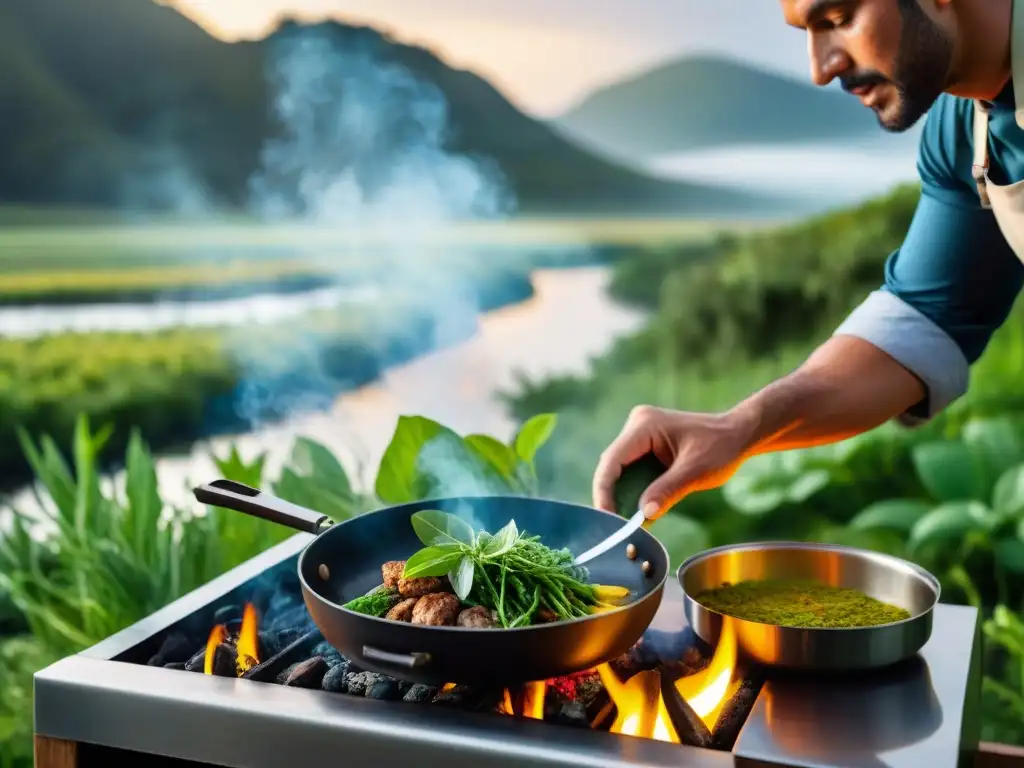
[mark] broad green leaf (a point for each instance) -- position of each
(808, 484)
(499, 456)
(682, 536)
(950, 521)
(877, 539)
(397, 474)
(1010, 554)
(533, 434)
(502, 541)
(1008, 495)
(891, 514)
(462, 577)
(997, 441)
(433, 561)
(758, 487)
(950, 471)
(447, 466)
(320, 466)
(433, 527)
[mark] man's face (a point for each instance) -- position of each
(889, 53)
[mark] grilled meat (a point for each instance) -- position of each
(438, 609)
(392, 572)
(403, 610)
(477, 617)
(419, 587)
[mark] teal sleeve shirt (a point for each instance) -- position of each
(954, 280)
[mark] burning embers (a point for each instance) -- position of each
(233, 656)
(680, 696)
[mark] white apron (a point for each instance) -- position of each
(1006, 201)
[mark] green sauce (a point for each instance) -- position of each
(793, 603)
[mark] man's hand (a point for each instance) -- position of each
(846, 387)
(701, 451)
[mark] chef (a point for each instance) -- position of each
(905, 352)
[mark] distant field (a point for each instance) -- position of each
(71, 255)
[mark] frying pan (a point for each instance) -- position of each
(344, 561)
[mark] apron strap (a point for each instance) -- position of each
(980, 167)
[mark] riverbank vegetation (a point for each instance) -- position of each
(180, 384)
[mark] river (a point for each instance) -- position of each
(569, 320)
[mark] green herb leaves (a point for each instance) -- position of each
(513, 574)
(435, 527)
(433, 561)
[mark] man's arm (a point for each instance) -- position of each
(904, 352)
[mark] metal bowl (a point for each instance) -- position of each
(882, 577)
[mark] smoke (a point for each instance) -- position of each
(362, 141)
(360, 151)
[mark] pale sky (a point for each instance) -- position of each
(543, 54)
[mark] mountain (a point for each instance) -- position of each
(708, 101)
(104, 96)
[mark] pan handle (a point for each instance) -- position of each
(250, 501)
(404, 660)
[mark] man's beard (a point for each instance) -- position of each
(920, 74)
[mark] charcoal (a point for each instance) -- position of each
(689, 727)
(420, 694)
(274, 667)
(452, 697)
(225, 661)
(334, 680)
(307, 674)
(175, 648)
(734, 714)
(359, 682)
(329, 653)
(175, 665)
(228, 614)
(385, 689)
(197, 662)
(601, 710)
(282, 677)
(486, 700)
(639, 658)
(570, 713)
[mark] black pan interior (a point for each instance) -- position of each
(354, 550)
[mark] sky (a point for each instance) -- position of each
(545, 55)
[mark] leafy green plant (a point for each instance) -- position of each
(1004, 696)
(20, 657)
(425, 459)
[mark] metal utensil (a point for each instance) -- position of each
(344, 561)
(883, 577)
(632, 526)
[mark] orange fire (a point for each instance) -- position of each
(640, 709)
(247, 643)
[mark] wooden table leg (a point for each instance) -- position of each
(999, 756)
(55, 753)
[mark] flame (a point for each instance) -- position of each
(247, 654)
(709, 690)
(533, 700)
(217, 636)
(248, 640)
(640, 709)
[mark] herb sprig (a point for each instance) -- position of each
(509, 572)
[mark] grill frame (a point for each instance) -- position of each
(96, 697)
